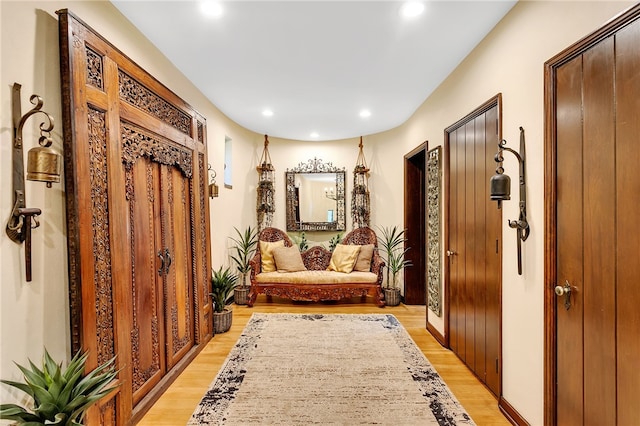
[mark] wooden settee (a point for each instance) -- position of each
(317, 283)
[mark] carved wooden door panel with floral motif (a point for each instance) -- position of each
(177, 277)
(137, 221)
(145, 289)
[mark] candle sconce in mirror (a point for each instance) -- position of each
(43, 166)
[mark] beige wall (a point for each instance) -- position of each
(509, 61)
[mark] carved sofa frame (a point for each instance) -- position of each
(317, 259)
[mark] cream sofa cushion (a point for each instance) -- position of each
(344, 258)
(266, 255)
(288, 259)
(363, 264)
(317, 277)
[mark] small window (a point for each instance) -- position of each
(227, 162)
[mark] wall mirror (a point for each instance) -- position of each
(315, 197)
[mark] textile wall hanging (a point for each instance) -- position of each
(265, 205)
(434, 256)
(360, 199)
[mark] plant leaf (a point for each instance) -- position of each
(22, 386)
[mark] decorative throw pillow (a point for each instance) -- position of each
(266, 255)
(344, 258)
(363, 264)
(288, 259)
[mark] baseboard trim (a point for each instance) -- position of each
(436, 334)
(511, 413)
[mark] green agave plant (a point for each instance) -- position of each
(222, 284)
(60, 397)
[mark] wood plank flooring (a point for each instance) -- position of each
(178, 402)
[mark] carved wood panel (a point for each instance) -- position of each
(177, 239)
(434, 224)
(145, 293)
(135, 184)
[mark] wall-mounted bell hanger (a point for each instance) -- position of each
(43, 165)
(213, 187)
(500, 187)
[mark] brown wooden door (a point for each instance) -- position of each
(176, 236)
(473, 244)
(597, 178)
(161, 273)
(415, 224)
(146, 292)
(136, 185)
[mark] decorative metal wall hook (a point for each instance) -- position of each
(213, 187)
(500, 187)
(43, 165)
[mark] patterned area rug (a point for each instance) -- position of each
(293, 369)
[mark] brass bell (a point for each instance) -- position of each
(213, 190)
(43, 165)
(500, 187)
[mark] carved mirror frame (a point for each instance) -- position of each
(315, 166)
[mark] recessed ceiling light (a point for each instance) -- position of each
(211, 8)
(365, 113)
(411, 9)
(314, 135)
(267, 113)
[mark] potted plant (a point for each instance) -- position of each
(60, 397)
(392, 245)
(300, 241)
(222, 284)
(245, 246)
(334, 241)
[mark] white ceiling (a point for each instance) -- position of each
(315, 64)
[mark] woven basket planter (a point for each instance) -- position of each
(240, 295)
(222, 321)
(392, 296)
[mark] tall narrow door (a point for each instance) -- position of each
(415, 224)
(473, 244)
(146, 290)
(178, 274)
(595, 264)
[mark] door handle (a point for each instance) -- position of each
(161, 268)
(169, 260)
(451, 253)
(565, 291)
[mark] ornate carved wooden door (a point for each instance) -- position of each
(176, 225)
(137, 218)
(162, 305)
(146, 292)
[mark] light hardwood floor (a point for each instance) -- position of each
(178, 402)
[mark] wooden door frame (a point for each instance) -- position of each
(422, 148)
(550, 208)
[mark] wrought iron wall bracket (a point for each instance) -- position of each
(500, 190)
(23, 219)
